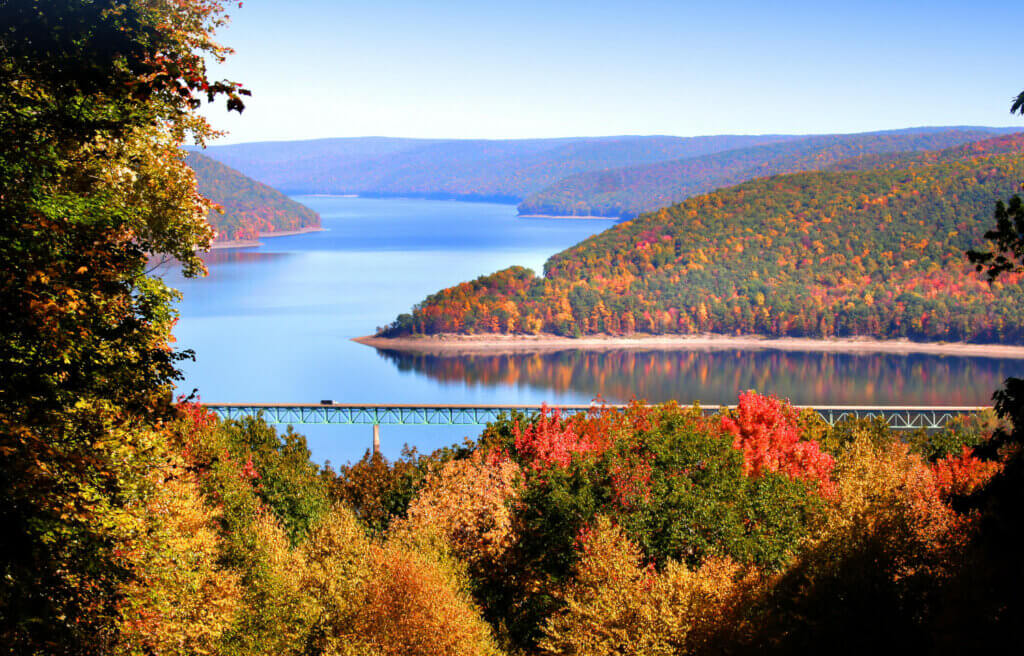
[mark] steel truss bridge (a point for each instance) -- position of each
(900, 418)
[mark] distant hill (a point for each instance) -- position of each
(626, 192)
(497, 170)
(250, 207)
(862, 251)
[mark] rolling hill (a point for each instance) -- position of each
(497, 170)
(873, 250)
(250, 207)
(626, 192)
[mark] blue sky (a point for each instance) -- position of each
(565, 68)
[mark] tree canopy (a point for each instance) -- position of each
(96, 99)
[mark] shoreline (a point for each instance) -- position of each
(253, 243)
(584, 217)
(451, 345)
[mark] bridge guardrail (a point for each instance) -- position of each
(897, 417)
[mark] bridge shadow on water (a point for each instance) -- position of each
(806, 378)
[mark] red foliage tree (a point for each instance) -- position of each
(551, 440)
(766, 430)
(963, 473)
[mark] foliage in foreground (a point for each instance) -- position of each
(654, 530)
(95, 101)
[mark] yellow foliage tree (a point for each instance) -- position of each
(182, 600)
(615, 605)
(415, 604)
(467, 502)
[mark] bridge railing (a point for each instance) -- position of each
(897, 417)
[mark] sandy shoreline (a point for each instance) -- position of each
(495, 344)
(252, 243)
(567, 216)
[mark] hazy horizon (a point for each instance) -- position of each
(229, 142)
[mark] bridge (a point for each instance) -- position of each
(375, 414)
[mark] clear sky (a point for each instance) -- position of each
(495, 69)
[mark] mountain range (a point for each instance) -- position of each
(607, 176)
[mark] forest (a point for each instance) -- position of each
(645, 530)
(137, 523)
(498, 170)
(246, 207)
(627, 192)
(877, 252)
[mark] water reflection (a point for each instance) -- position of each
(239, 256)
(717, 376)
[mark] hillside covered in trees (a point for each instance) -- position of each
(250, 207)
(626, 192)
(876, 252)
(502, 170)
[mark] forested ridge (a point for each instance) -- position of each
(249, 207)
(608, 176)
(503, 170)
(876, 252)
(626, 192)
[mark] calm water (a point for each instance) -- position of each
(274, 323)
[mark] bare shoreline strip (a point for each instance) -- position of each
(498, 344)
(251, 243)
(586, 217)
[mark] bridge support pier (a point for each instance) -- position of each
(376, 439)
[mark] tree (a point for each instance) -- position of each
(95, 100)
(985, 597)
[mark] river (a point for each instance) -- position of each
(274, 324)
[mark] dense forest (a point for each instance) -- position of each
(249, 207)
(876, 252)
(468, 169)
(135, 523)
(626, 192)
(645, 530)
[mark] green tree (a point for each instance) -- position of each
(95, 100)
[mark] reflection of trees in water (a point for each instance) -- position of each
(238, 256)
(717, 376)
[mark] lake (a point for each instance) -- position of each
(274, 324)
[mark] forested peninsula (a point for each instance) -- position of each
(871, 252)
(249, 208)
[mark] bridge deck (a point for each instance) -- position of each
(897, 417)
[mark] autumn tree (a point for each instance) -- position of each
(95, 100)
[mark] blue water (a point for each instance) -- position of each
(274, 324)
